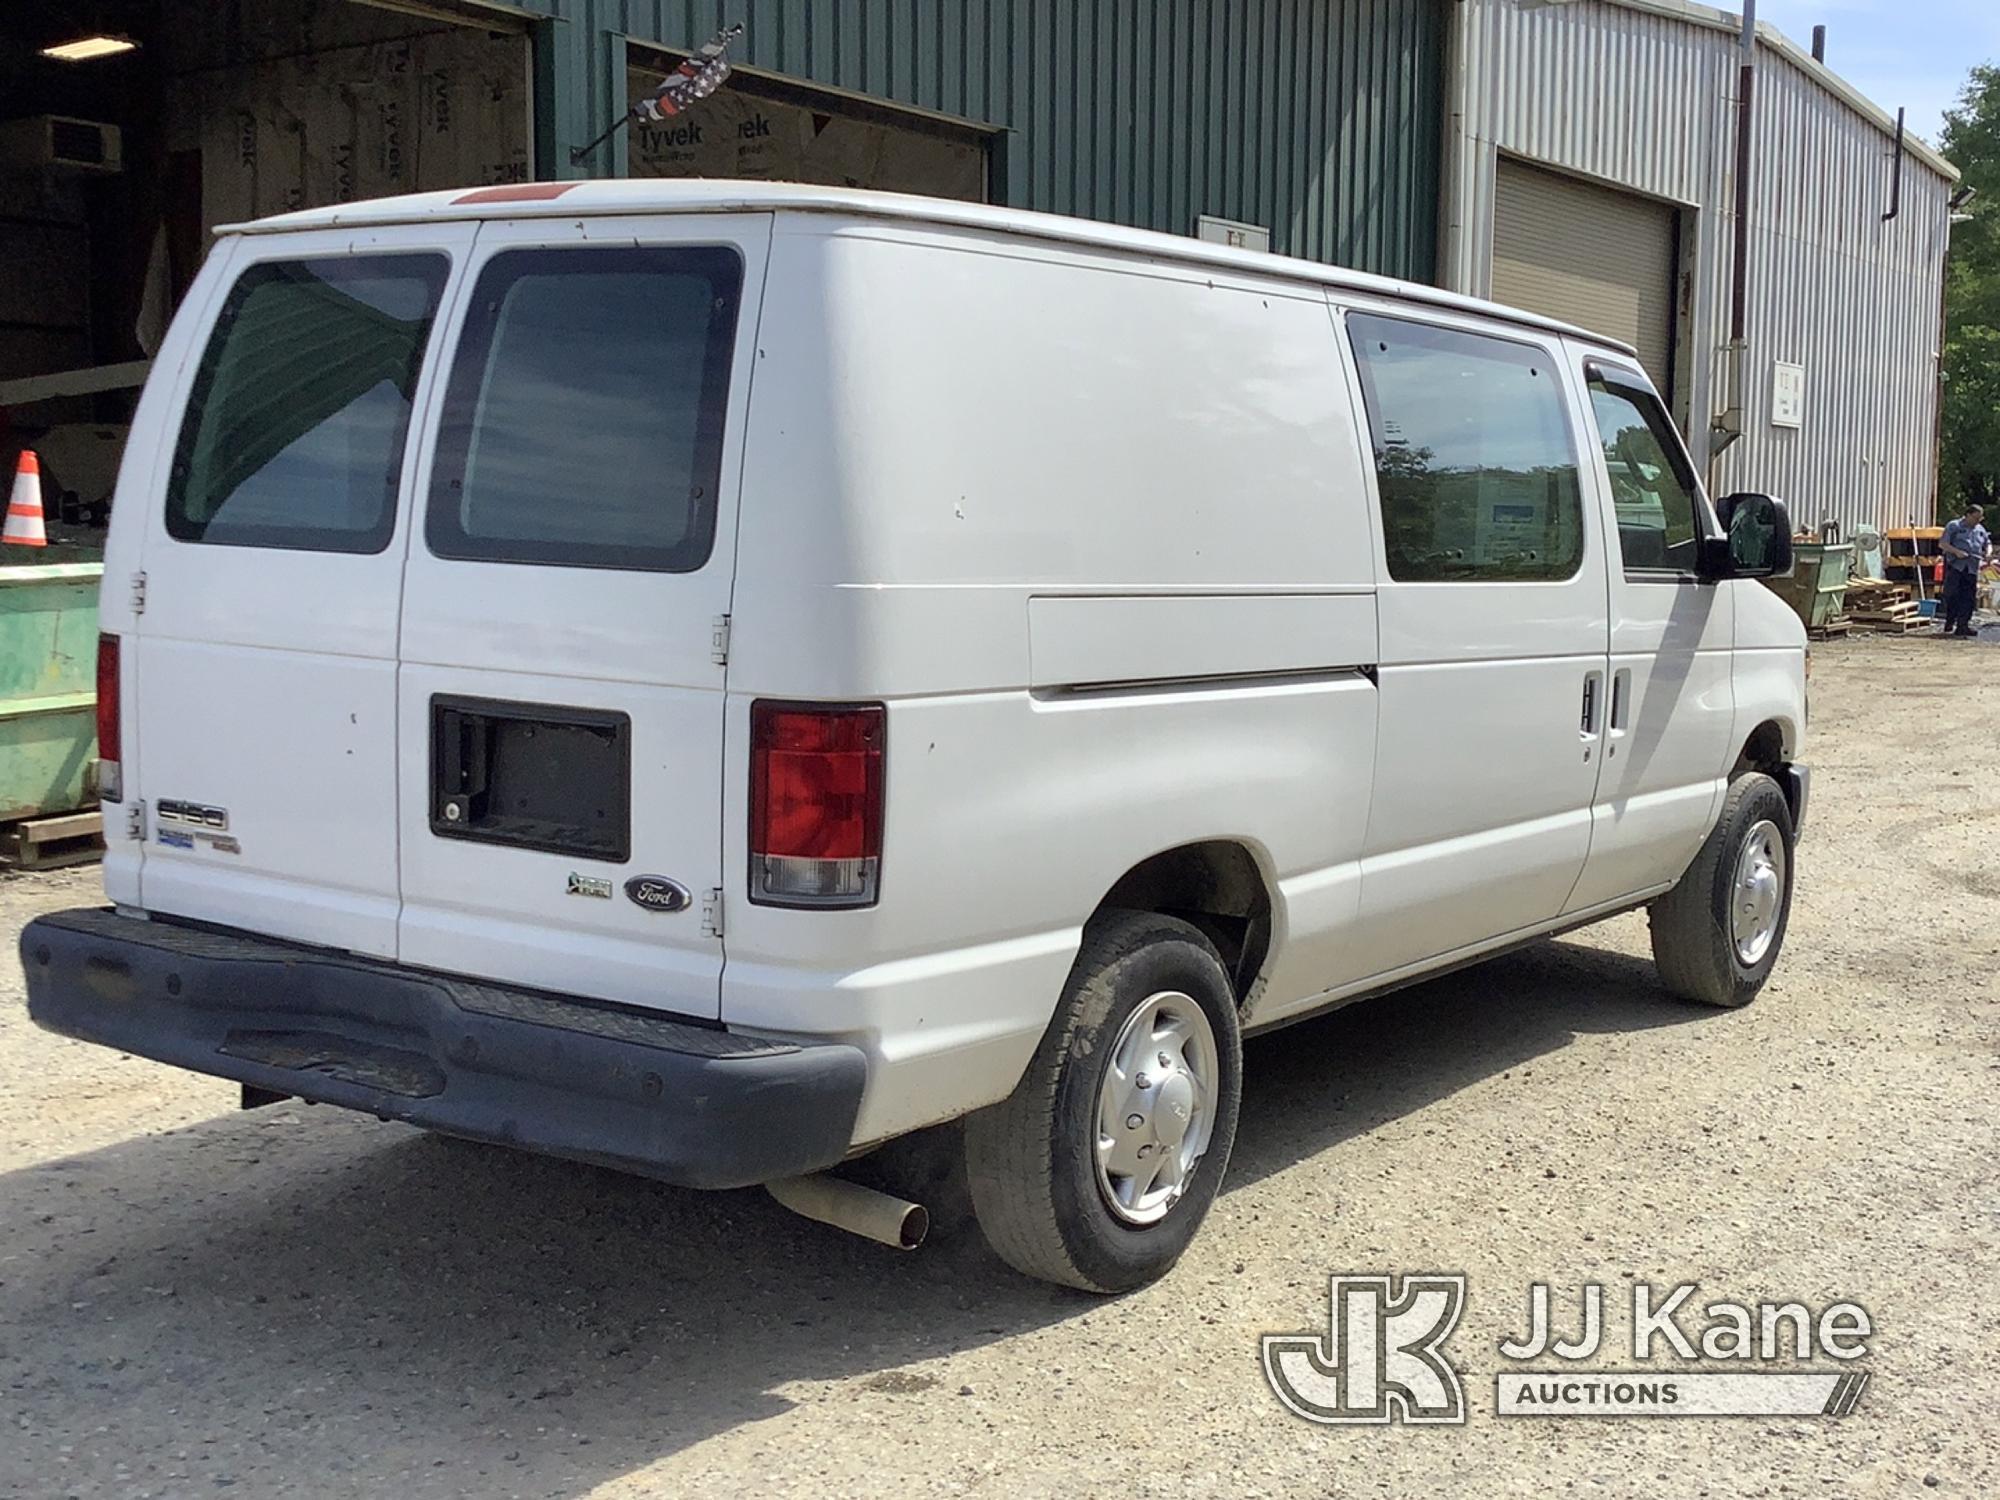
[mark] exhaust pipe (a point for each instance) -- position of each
(848, 1205)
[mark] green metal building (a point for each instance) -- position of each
(1318, 120)
(130, 128)
(1311, 127)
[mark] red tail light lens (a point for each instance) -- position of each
(815, 803)
(110, 775)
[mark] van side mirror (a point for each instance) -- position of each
(1756, 540)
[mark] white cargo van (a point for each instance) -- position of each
(709, 677)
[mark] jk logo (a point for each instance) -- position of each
(1379, 1360)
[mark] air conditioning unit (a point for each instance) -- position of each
(62, 143)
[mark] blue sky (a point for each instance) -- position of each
(1913, 53)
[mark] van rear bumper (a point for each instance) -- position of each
(687, 1104)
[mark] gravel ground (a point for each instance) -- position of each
(301, 1301)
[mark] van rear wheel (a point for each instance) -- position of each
(1716, 935)
(1100, 1166)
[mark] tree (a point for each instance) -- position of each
(1969, 463)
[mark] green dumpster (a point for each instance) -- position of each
(1816, 588)
(48, 687)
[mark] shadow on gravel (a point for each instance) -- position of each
(1323, 1081)
(186, 1303)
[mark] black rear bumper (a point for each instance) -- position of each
(687, 1104)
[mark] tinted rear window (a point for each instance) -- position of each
(583, 419)
(300, 408)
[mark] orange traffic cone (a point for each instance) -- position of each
(24, 511)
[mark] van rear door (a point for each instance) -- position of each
(263, 656)
(561, 690)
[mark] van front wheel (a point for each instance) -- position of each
(1100, 1166)
(1716, 935)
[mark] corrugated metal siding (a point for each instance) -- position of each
(1318, 118)
(1647, 101)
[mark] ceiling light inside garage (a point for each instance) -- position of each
(89, 48)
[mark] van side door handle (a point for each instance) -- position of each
(1589, 726)
(1621, 709)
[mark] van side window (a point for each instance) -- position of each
(582, 424)
(1650, 484)
(300, 407)
(1474, 459)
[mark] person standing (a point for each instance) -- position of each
(1966, 547)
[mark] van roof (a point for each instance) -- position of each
(606, 196)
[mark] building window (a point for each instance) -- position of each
(1474, 458)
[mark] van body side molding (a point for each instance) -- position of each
(1097, 640)
(1223, 682)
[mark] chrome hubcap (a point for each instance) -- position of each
(1156, 1107)
(1758, 893)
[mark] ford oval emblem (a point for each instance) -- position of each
(657, 893)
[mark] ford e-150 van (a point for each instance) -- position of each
(709, 677)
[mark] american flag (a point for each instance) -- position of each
(696, 78)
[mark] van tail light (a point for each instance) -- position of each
(816, 803)
(110, 772)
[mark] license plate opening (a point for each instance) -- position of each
(532, 776)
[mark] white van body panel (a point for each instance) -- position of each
(1671, 738)
(1766, 669)
(265, 681)
(1092, 512)
(149, 449)
(1093, 645)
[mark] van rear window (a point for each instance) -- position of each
(300, 407)
(582, 423)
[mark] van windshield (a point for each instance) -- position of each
(297, 419)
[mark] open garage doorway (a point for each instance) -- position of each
(130, 128)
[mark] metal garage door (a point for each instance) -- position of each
(1589, 255)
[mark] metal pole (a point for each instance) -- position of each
(578, 153)
(1727, 427)
(1896, 179)
(1746, 84)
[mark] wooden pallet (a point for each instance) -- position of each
(47, 843)
(1907, 620)
(1831, 630)
(1873, 596)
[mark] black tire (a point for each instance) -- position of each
(1030, 1159)
(1692, 947)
